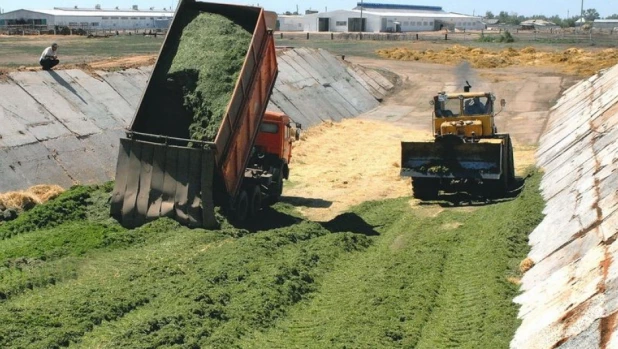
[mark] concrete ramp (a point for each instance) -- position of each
(62, 127)
(570, 297)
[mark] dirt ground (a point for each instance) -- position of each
(339, 165)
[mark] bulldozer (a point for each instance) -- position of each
(467, 152)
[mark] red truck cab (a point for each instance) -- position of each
(273, 147)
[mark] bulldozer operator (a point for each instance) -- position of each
(474, 106)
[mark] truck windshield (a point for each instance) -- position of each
(269, 128)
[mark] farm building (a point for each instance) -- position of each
(605, 24)
(390, 18)
(96, 18)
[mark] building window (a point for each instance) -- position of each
(419, 24)
(300, 25)
(2, 22)
(114, 17)
(142, 18)
(431, 24)
(94, 24)
(133, 17)
(104, 17)
(406, 24)
(341, 23)
(73, 24)
(424, 24)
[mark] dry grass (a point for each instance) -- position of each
(339, 165)
(45, 192)
(526, 265)
(27, 199)
(572, 61)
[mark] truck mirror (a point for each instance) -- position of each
(297, 134)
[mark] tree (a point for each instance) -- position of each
(489, 15)
(614, 16)
(591, 14)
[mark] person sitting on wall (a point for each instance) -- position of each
(49, 58)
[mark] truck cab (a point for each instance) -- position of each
(272, 150)
(276, 135)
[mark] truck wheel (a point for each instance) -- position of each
(425, 188)
(242, 207)
(255, 202)
(277, 187)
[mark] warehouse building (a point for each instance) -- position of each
(378, 18)
(96, 18)
(610, 24)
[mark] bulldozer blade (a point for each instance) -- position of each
(156, 180)
(448, 160)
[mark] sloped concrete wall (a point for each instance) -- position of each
(570, 296)
(62, 127)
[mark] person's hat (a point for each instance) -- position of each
(54, 44)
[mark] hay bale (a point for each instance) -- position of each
(526, 265)
(19, 200)
(45, 192)
(208, 61)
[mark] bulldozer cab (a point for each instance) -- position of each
(463, 104)
(469, 114)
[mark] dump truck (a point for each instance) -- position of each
(162, 171)
(467, 152)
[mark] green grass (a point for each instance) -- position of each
(17, 50)
(381, 276)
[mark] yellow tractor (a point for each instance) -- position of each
(467, 150)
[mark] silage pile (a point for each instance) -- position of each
(12, 203)
(207, 64)
(572, 61)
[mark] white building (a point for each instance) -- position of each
(290, 23)
(387, 18)
(96, 18)
(605, 24)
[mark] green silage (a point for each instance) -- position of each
(383, 275)
(206, 66)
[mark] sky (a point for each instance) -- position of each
(476, 7)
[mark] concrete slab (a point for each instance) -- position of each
(23, 108)
(45, 92)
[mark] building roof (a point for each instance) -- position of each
(606, 21)
(418, 14)
(375, 6)
(538, 23)
(95, 12)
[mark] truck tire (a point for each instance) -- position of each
(242, 207)
(276, 188)
(425, 188)
(255, 201)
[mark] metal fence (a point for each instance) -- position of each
(601, 37)
(88, 30)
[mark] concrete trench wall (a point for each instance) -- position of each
(62, 127)
(570, 296)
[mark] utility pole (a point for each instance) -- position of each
(582, 13)
(361, 27)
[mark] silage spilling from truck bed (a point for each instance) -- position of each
(207, 64)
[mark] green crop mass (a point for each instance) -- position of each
(383, 275)
(206, 66)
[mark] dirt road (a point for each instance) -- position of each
(337, 166)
